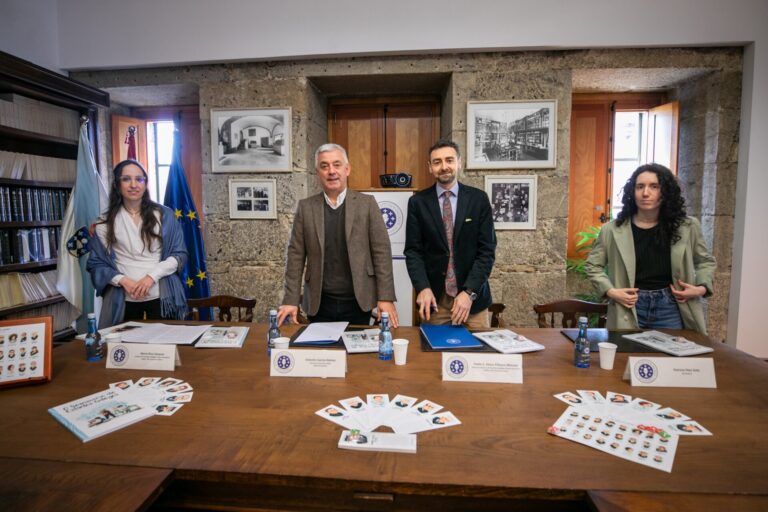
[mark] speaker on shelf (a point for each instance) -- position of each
(396, 180)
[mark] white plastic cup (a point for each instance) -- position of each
(282, 342)
(400, 346)
(607, 354)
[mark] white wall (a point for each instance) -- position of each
(118, 34)
(30, 29)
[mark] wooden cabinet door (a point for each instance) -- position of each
(663, 124)
(385, 137)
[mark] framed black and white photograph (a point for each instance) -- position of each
(511, 134)
(251, 140)
(252, 199)
(513, 201)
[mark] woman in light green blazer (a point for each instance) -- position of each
(651, 262)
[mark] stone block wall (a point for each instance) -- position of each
(246, 258)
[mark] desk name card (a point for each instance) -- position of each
(503, 368)
(308, 363)
(672, 372)
(141, 356)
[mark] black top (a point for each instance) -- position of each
(653, 266)
(337, 275)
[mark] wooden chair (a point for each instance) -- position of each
(496, 309)
(571, 309)
(225, 304)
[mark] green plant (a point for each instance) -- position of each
(585, 243)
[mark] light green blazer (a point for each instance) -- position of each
(611, 264)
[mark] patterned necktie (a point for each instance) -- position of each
(451, 288)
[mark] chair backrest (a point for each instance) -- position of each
(496, 309)
(571, 310)
(225, 305)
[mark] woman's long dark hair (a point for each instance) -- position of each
(149, 222)
(672, 210)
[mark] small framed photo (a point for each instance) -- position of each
(26, 349)
(252, 199)
(251, 140)
(511, 134)
(513, 201)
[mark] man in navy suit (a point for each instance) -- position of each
(450, 245)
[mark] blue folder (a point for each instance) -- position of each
(449, 337)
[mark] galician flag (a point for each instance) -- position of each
(88, 200)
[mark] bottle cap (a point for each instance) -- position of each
(91, 315)
(385, 315)
(272, 311)
(583, 320)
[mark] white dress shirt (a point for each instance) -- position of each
(132, 259)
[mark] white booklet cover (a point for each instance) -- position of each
(223, 337)
(673, 345)
(101, 413)
(361, 341)
(377, 441)
(508, 342)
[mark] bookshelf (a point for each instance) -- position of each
(40, 114)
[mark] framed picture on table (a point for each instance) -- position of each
(513, 201)
(26, 347)
(511, 134)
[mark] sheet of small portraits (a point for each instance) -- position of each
(22, 352)
(633, 429)
(167, 395)
(403, 414)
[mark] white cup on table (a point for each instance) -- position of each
(400, 346)
(607, 353)
(281, 342)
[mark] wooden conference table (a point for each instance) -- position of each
(253, 442)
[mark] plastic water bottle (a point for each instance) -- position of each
(581, 347)
(385, 339)
(273, 332)
(93, 347)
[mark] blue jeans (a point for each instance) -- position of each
(657, 309)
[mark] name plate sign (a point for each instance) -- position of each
(504, 368)
(143, 356)
(308, 363)
(671, 372)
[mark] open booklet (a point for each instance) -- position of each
(361, 341)
(673, 345)
(223, 337)
(508, 342)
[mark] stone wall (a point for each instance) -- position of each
(246, 258)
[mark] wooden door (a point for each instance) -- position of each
(663, 132)
(588, 187)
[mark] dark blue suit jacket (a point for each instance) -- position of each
(474, 243)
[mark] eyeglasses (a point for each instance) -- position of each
(141, 180)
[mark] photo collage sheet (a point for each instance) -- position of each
(22, 352)
(403, 414)
(165, 395)
(633, 429)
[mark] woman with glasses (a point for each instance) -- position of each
(652, 262)
(137, 253)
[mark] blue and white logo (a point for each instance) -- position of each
(456, 367)
(284, 362)
(646, 371)
(392, 216)
(119, 356)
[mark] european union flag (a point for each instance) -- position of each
(179, 199)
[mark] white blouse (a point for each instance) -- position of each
(132, 259)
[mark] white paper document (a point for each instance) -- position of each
(361, 341)
(673, 345)
(483, 367)
(308, 363)
(223, 337)
(166, 334)
(321, 333)
(133, 356)
(377, 441)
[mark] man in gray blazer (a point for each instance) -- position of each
(340, 237)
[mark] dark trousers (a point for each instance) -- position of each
(147, 310)
(333, 310)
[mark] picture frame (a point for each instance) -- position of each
(511, 134)
(251, 140)
(513, 201)
(253, 198)
(26, 350)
